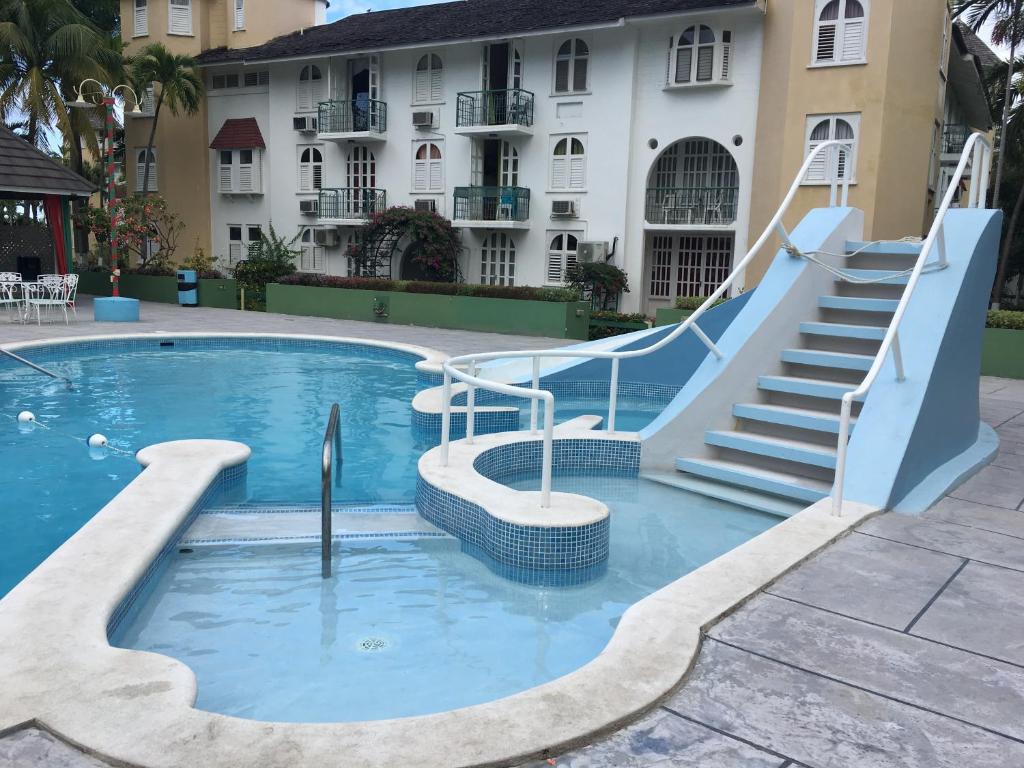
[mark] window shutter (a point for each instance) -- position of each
(419, 178)
(319, 257)
(318, 175)
(422, 85)
(726, 59)
(853, 40)
(435, 175)
(826, 48)
(181, 17)
(141, 18)
(234, 253)
(436, 85)
(246, 178)
(577, 172)
(705, 63)
(305, 177)
(560, 173)
(306, 259)
(818, 169)
(561, 75)
(684, 61)
(239, 14)
(554, 268)
(224, 178)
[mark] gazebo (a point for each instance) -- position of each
(28, 174)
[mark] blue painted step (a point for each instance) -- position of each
(774, 447)
(795, 385)
(858, 304)
(888, 249)
(801, 418)
(777, 483)
(844, 331)
(878, 276)
(846, 361)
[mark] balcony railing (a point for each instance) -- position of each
(351, 203)
(954, 137)
(492, 204)
(484, 108)
(360, 116)
(691, 205)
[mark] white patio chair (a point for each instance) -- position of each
(46, 297)
(11, 300)
(71, 293)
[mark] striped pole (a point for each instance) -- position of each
(108, 104)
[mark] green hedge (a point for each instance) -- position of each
(523, 293)
(1005, 318)
(693, 302)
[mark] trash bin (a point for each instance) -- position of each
(188, 288)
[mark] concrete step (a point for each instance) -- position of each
(796, 385)
(858, 304)
(759, 502)
(796, 451)
(800, 418)
(793, 487)
(878, 276)
(844, 331)
(846, 361)
(888, 249)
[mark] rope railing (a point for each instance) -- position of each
(465, 367)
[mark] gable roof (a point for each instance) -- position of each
(239, 133)
(977, 47)
(25, 172)
(453, 21)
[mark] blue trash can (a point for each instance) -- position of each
(188, 288)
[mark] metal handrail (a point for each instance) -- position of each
(38, 368)
(977, 150)
(839, 195)
(330, 454)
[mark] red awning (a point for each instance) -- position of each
(239, 133)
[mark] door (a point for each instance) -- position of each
(687, 264)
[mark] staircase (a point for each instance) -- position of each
(784, 445)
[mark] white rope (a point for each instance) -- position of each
(84, 440)
(812, 256)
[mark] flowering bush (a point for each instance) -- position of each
(145, 227)
(433, 255)
(598, 281)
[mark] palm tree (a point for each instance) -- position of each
(175, 83)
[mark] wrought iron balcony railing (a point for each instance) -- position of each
(358, 116)
(484, 108)
(492, 204)
(954, 137)
(351, 203)
(691, 205)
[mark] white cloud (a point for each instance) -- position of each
(341, 8)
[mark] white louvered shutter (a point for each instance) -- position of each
(826, 48)
(141, 27)
(577, 165)
(684, 63)
(435, 180)
(419, 177)
(853, 40)
(554, 276)
(234, 253)
(726, 54)
(305, 177)
(436, 84)
(306, 258)
(705, 63)
(319, 257)
(817, 171)
(560, 172)
(180, 22)
(246, 178)
(239, 14)
(304, 97)
(224, 178)
(421, 91)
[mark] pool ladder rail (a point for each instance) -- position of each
(38, 368)
(330, 456)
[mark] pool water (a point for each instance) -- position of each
(412, 627)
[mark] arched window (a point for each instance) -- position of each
(428, 85)
(569, 164)
(840, 31)
(701, 56)
(832, 164)
(428, 169)
(694, 181)
(561, 256)
(309, 92)
(360, 169)
(140, 170)
(571, 64)
(498, 260)
(311, 169)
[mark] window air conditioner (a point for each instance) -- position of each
(422, 119)
(309, 207)
(563, 209)
(304, 124)
(592, 251)
(325, 237)
(426, 204)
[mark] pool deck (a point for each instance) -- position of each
(900, 645)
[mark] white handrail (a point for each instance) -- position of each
(977, 149)
(839, 194)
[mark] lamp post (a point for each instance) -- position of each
(107, 101)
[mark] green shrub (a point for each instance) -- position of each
(599, 331)
(528, 293)
(270, 258)
(599, 282)
(694, 302)
(1005, 318)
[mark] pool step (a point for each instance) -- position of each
(759, 502)
(350, 508)
(843, 331)
(796, 451)
(876, 276)
(844, 361)
(859, 304)
(885, 249)
(786, 416)
(796, 385)
(788, 486)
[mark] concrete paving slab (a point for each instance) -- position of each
(973, 544)
(995, 486)
(1004, 389)
(35, 748)
(956, 683)
(981, 611)
(863, 577)
(662, 739)
(998, 412)
(1009, 460)
(822, 723)
(974, 515)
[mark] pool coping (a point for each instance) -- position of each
(137, 707)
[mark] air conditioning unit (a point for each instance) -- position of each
(305, 124)
(325, 237)
(423, 119)
(426, 204)
(309, 207)
(563, 209)
(594, 250)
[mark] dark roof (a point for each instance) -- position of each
(454, 21)
(978, 47)
(239, 133)
(25, 172)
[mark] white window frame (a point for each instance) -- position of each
(433, 168)
(140, 21)
(171, 30)
(232, 181)
(140, 169)
(428, 88)
(843, 29)
(577, 168)
(242, 244)
(238, 18)
(721, 58)
(309, 92)
(311, 184)
(495, 270)
(821, 175)
(560, 259)
(311, 255)
(574, 59)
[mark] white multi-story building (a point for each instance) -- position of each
(547, 137)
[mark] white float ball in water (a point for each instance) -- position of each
(97, 441)
(97, 454)
(26, 417)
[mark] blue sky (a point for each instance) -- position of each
(341, 8)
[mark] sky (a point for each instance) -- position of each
(340, 8)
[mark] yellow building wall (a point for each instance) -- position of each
(897, 115)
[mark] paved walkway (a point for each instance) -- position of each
(900, 646)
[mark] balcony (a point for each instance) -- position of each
(353, 121)
(351, 206)
(683, 207)
(954, 137)
(492, 207)
(494, 113)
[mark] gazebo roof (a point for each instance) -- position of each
(25, 172)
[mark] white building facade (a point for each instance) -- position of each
(631, 140)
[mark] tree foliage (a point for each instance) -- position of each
(435, 245)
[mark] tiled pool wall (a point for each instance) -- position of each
(229, 485)
(536, 554)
